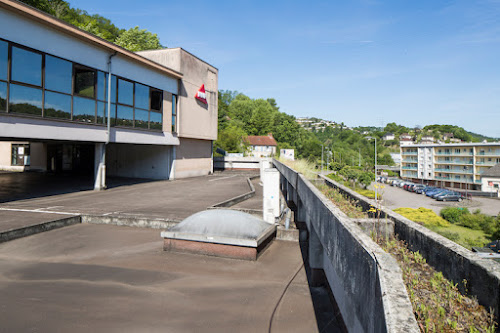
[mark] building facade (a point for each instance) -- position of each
(70, 101)
(458, 165)
(262, 146)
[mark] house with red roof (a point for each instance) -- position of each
(262, 146)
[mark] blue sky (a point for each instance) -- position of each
(361, 62)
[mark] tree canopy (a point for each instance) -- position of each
(133, 39)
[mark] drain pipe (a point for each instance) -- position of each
(108, 137)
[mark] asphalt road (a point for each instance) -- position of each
(395, 197)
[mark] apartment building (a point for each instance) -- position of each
(457, 165)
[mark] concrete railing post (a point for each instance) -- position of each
(271, 192)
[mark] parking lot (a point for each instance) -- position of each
(395, 197)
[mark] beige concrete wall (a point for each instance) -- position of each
(193, 158)
(6, 157)
(195, 119)
(167, 112)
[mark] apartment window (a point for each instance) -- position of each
(58, 74)
(4, 60)
(20, 155)
(457, 151)
(26, 66)
(429, 174)
(85, 81)
(174, 114)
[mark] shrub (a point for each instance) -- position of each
(452, 214)
(478, 222)
(453, 236)
(422, 215)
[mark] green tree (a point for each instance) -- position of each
(136, 39)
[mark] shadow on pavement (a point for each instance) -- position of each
(28, 185)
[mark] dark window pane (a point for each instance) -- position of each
(124, 116)
(141, 96)
(25, 100)
(155, 121)
(3, 96)
(102, 113)
(141, 118)
(102, 84)
(156, 99)
(57, 105)
(58, 74)
(84, 81)
(26, 66)
(83, 109)
(174, 119)
(125, 92)
(4, 56)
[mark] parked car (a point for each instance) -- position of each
(494, 246)
(419, 188)
(443, 192)
(433, 191)
(452, 196)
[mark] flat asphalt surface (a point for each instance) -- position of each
(102, 278)
(395, 197)
(31, 198)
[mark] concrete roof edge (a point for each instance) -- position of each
(44, 18)
(183, 49)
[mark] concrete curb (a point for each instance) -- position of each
(134, 221)
(239, 198)
(12, 234)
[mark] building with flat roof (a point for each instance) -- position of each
(73, 102)
(457, 165)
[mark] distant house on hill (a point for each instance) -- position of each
(388, 137)
(448, 136)
(427, 139)
(405, 139)
(262, 146)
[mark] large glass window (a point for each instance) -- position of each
(141, 96)
(20, 155)
(141, 118)
(102, 85)
(124, 116)
(125, 92)
(25, 100)
(102, 113)
(26, 66)
(4, 60)
(85, 81)
(3, 96)
(57, 105)
(156, 99)
(174, 114)
(58, 74)
(83, 109)
(155, 120)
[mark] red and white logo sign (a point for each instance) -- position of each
(200, 95)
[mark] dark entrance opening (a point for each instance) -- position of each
(75, 159)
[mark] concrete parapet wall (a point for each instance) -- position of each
(454, 261)
(242, 163)
(366, 282)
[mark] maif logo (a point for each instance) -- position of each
(201, 95)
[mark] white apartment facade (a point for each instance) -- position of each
(456, 165)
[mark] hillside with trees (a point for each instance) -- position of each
(133, 39)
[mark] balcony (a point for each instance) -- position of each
(485, 153)
(442, 178)
(461, 162)
(486, 163)
(409, 168)
(454, 171)
(413, 153)
(409, 160)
